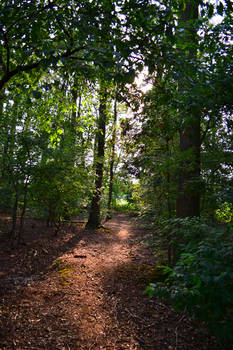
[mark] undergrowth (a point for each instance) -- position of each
(201, 281)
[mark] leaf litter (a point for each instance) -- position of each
(83, 290)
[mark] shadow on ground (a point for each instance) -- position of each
(83, 290)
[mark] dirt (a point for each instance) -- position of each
(83, 289)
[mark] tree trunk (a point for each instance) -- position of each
(188, 200)
(21, 225)
(74, 113)
(168, 178)
(14, 217)
(112, 162)
(94, 220)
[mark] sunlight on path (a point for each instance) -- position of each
(87, 299)
(123, 234)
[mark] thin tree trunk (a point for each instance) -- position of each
(188, 200)
(94, 220)
(21, 224)
(6, 143)
(112, 161)
(83, 162)
(14, 218)
(74, 112)
(168, 178)
(75, 119)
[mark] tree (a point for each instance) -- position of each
(37, 35)
(94, 220)
(188, 197)
(112, 159)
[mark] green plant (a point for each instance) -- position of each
(176, 234)
(123, 206)
(225, 212)
(202, 282)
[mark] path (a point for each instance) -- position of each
(83, 291)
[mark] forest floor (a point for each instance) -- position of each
(83, 289)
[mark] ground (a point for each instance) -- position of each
(83, 290)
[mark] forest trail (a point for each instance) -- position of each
(82, 290)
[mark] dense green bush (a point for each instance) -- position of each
(225, 212)
(201, 282)
(174, 235)
(185, 233)
(58, 192)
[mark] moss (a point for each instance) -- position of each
(64, 271)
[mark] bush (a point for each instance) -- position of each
(225, 213)
(202, 282)
(176, 234)
(123, 206)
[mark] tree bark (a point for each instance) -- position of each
(14, 217)
(112, 162)
(188, 200)
(94, 220)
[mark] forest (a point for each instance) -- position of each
(116, 110)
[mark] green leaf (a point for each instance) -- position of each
(210, 10)
(220, 8)
(150, 290)
(36, 94)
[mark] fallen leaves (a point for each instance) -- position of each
(81, 291)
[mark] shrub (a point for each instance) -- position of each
(176, 234)
(225, 213)
(202, 282)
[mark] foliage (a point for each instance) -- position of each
(123, 206)
(58, 192)
(183, 233)
(53, 56)
(52, 52)
(225, 213)
(201, 281)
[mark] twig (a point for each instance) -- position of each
(139, 318)
(176, 329)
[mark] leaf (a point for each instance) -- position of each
(220, 8)
(210, 10)
(36, 94)
(150, 291)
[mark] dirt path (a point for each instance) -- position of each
(83, 290)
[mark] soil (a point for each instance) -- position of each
(83, 289)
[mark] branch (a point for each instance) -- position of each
(2, 63)
(64, 30)
(6, 45)
(25, 68)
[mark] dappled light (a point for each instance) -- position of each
(123, 234)
(116, 186)
(84, 291)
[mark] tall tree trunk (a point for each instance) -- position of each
(94, 220)
(188, 200)
(112, 161)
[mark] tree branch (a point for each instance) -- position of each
(6, 45)
(25, 68)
